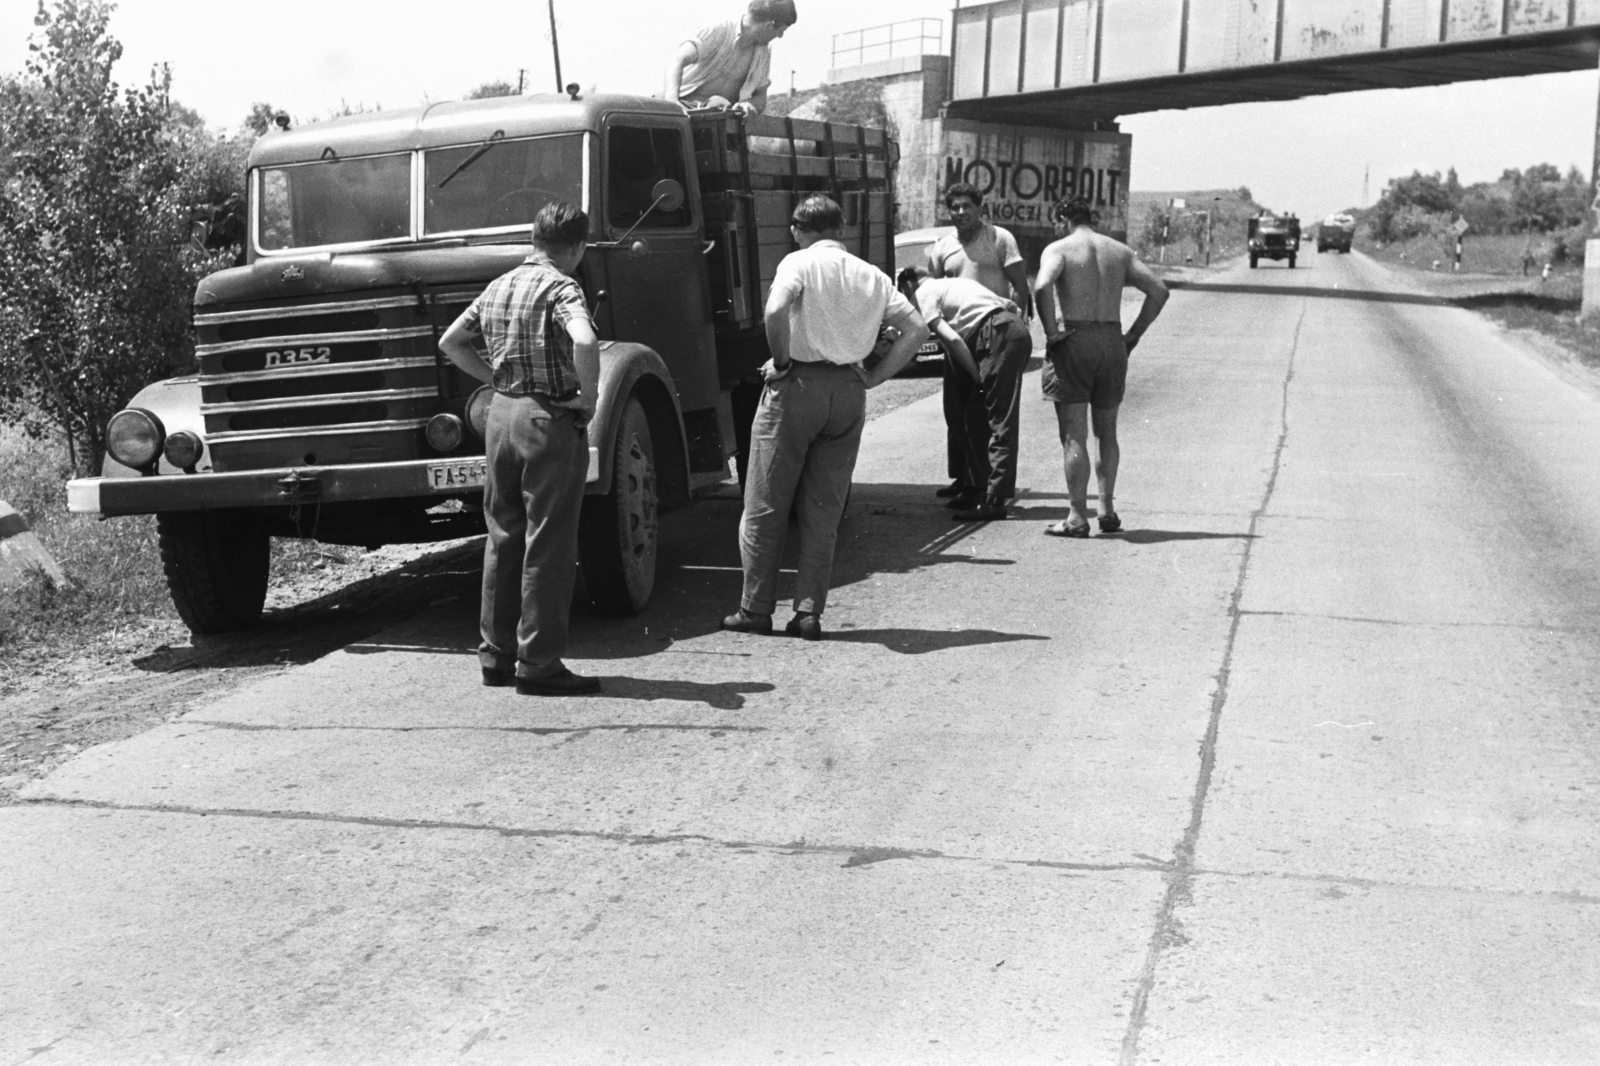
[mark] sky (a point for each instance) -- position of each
(310, 56)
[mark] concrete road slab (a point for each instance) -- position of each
(1326, 973)
(1427, 755)
(142, 938)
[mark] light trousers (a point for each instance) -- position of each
(803, 448)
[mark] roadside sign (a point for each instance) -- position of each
(1461, 226)
(1179, 203)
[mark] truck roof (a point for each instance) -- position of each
(454, 122)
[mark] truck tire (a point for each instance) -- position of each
(1291, 262)
(1253, 259)
(216, 564)
(617, 532)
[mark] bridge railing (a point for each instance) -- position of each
(1026, 46)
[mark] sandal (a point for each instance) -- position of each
(1066, 529)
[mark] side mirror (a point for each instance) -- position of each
(667, 194)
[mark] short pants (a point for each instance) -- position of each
(1090, 365)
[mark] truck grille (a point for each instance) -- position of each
(342, 377)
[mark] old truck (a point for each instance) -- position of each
(321, 406)
(1273, 236)
(1336, 231)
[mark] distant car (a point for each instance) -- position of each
(911, 249)
(1336, 231)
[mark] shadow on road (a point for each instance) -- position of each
(922, 641)
(1164, 536)
(1318, 291)
(308, 631)
(724, 695)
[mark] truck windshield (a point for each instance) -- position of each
(505, 186)
(338, 201)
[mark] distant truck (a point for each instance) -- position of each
(1273, 236)
(322, 407)
(1336, 231)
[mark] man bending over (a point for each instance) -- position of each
(1086, 371)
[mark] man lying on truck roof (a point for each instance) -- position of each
(727, 65)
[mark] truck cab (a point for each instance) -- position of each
(1273, 236)
(321, 406)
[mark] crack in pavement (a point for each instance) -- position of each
(856, 854)
(1180, 874)
(1538, 627)
(540, 731)
(1570, 896)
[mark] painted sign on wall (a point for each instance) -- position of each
(1024, 172)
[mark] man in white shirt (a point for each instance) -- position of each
(989, 255)
(987, 340)
(823, 317)
(728, 64)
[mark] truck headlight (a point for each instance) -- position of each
(184, 449)
(478, 411)
(444, 433)
(134, 437)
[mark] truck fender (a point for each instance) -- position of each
(176, 401)
(626, 369)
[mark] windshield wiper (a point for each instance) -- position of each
(477, 154)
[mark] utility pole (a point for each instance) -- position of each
(555, 48)
(1366, 179)
(522, 77)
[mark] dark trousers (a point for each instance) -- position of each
(991, 414)
(958, 389)
(538, 462)
(803, 448)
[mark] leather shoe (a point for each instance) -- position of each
(955, 488)
(964, 501)
(566, 683)
(992, 509)
(493, 678)
(805, 625)
(743, 621)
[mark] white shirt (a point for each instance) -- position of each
(984, 259)
(962, 302)
(838, 303)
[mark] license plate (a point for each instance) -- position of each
(458, 476)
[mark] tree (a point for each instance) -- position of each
(491, 89)
(859, 103)
(98, 260)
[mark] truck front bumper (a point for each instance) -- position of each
(285, 486)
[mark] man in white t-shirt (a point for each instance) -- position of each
(989, 255)
(728, 65)
(989, 343)
(823, 317)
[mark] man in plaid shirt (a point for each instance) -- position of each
(535, 328)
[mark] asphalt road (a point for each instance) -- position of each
(1300, 769)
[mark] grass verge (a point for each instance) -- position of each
(115, 592)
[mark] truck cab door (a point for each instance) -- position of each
(657, 282)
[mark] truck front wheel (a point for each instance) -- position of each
(1253, 260)
(618, 531)
(216, 564)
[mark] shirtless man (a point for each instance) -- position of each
(1087, 368)
(728, 65)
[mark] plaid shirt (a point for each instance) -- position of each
(522, 318)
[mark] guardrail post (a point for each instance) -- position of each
(1591, 247)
